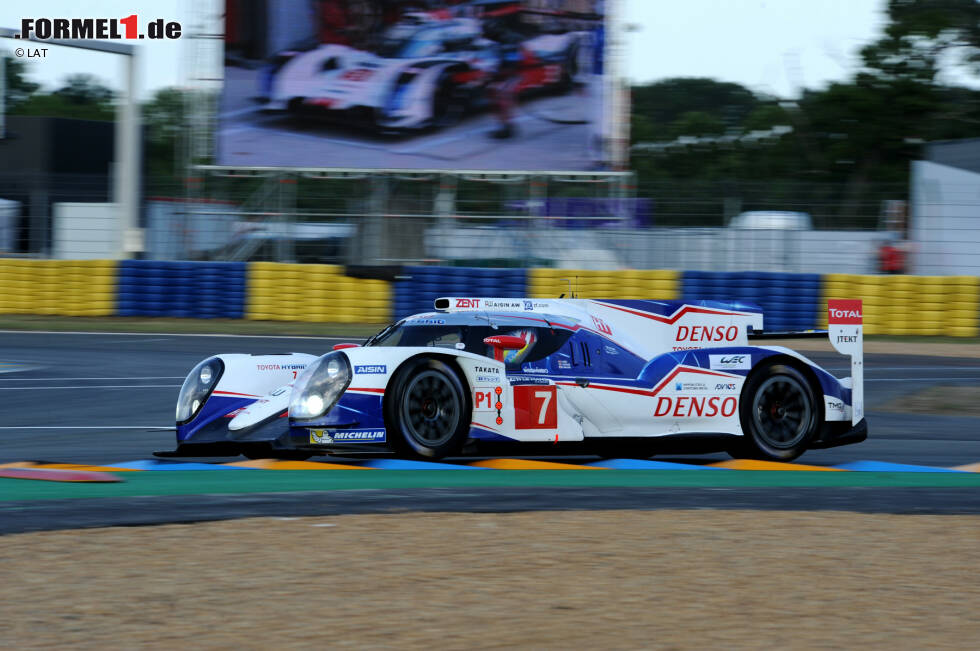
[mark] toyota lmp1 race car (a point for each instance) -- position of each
(426, 73)
(608, 375)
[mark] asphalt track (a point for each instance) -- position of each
(90, 398)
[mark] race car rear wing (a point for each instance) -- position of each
(846, 333)
(786, 334)
(845, 325)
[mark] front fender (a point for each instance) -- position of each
(246, 379)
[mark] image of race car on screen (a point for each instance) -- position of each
(453, 69)
(426, 72)
(615, 377)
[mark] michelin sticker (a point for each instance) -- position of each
(734, 362)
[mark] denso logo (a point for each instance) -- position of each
(688, 407)
(845, 314)
(707, 333)
(467, 302)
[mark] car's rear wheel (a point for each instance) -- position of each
(448, 102)
(426, 411)
(778, 413)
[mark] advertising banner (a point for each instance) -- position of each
(391, 84)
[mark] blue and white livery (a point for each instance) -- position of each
(616, 376)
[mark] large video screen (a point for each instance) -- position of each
(395, 84)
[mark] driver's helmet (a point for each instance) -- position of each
(518, 356)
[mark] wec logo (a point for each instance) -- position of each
(730, 362)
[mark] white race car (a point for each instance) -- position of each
(426, 72)
(616, 375)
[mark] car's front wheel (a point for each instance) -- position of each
(778, 414)
(426, 411)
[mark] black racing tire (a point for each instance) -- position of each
(427, 410)
(569, 70)
(448, 102)
(778, 412)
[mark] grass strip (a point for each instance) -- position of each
(199, 482)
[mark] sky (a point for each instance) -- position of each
(776, 47)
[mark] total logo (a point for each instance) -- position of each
(845, 314)
(690, 406)
(706, 333)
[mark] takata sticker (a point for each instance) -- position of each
(736, 362)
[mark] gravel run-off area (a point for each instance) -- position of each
(574, 579)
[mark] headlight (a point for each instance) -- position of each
(320, 386)
(198, 385)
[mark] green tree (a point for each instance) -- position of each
(923, 36)
(81, 96)
(164, 118)
(18, 87)
(83, 88)
(664, 102)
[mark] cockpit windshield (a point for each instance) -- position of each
(409, 42)
(539, 342)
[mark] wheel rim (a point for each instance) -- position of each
(781, 412)
(431, 409)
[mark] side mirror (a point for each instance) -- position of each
(343, 346)
(505, 342)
